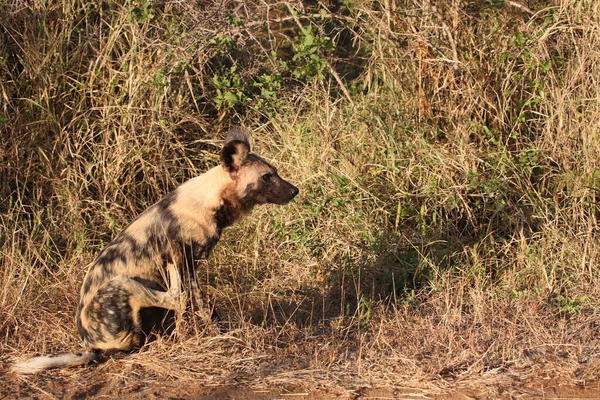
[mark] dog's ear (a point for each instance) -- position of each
(238, 143)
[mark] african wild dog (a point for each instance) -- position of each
(131, 273)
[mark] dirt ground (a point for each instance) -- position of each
(89, 383)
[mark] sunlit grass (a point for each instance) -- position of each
(447, 222)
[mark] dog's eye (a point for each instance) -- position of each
(267, 177)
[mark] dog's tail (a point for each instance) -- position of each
(38, 364)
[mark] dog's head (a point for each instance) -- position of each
(256, 180)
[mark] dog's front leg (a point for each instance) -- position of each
(176, 294)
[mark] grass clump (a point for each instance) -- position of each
(447, 157)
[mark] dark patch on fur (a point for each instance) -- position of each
(190, 261)
(87, 284)
(210, 245)
(195, 251)
(166, 201)
(115, 251)
(174, 230)
(92, 333)
(230, 150)
(228, 213)
(95, 275)
(151, 246)
(227, 154)
(111, 306)
(148, 283)
(82, 332)
(254, 193)
(255, 158)
(170, 224)
(274, 190)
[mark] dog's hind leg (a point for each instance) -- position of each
(112, 320)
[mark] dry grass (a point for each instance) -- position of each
(447, 155)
